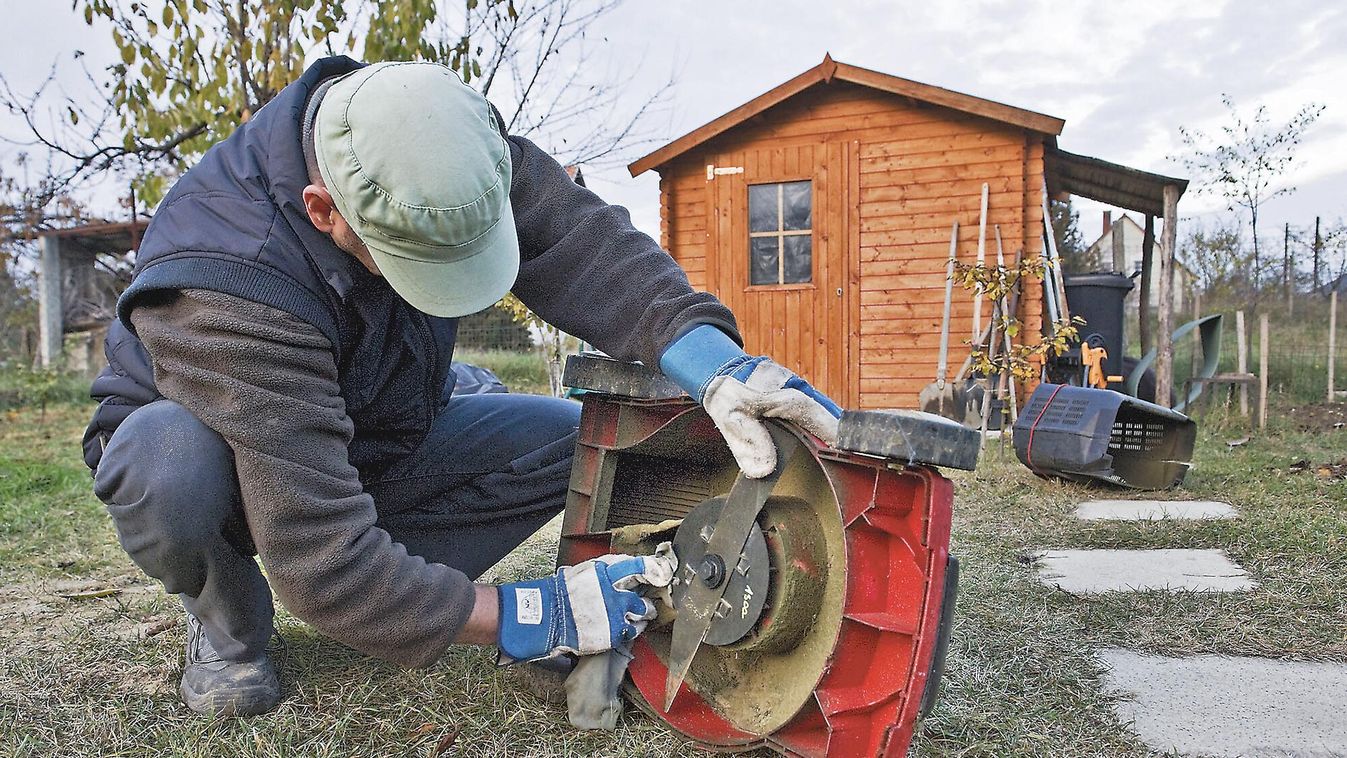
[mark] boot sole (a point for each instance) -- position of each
(244, 701)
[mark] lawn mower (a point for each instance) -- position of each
(811, 609)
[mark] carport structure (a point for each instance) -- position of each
(75, 294)
(1151, 195)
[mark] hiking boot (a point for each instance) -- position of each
(213, 686)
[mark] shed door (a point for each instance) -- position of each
(780, 263)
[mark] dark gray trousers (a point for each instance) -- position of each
(493, 469)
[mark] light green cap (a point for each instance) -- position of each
(416, 165)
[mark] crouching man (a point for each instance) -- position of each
(279, 386)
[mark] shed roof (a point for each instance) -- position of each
(830, 70)
(98, 237)
(1110, 183)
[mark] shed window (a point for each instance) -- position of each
(780, 233)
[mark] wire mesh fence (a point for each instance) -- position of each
(1298, 349)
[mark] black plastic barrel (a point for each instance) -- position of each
(1098, 298)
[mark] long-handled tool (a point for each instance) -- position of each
(982, 259)
(940, 396)
(1004, 385)
(1056, 287)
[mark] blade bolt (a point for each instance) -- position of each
(712, 570)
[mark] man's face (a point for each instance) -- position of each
(325, 217)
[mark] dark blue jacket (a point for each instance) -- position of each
(236, 224)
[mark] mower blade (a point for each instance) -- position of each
(697, 612)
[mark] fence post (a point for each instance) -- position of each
(1242, 344)
(1196, 345)
(1332, 340)
(1262, 370)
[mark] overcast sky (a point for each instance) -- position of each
(1124, 76)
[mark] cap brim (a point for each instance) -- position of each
(460, 287)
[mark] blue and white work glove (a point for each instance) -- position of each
(584, 609)
(737, 390)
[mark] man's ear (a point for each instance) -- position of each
(322, 211)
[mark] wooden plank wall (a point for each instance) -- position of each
(912, 188)
(913, 169)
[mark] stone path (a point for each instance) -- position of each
(1087, 572)
(1214, 705)
(1154, 510)
(1204, 705)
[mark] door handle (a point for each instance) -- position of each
(839, 291)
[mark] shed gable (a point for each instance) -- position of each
(895, 174)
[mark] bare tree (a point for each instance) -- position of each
(191, 72)
(1247, 164)
(1216, 254)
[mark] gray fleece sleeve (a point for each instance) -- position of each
(267, 382)
(586, 270)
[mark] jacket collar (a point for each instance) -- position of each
(281, 120)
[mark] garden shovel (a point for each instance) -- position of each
(939, 397)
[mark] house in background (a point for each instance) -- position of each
(1122, 241)
(820, 212)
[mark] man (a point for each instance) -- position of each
(278, 382)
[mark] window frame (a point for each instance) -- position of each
(779, 234)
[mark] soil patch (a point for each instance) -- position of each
(1320, 417)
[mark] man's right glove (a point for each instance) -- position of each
(738, 391)
(588, 608)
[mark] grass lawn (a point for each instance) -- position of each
(84, 676)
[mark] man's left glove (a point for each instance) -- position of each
(588, 608)
(742, 393)
(737, 391)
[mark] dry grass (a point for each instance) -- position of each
(97, 676)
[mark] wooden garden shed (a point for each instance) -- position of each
(820, 213)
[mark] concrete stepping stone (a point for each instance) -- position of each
(1214, 705)
(1154, 510)
(1085, 572)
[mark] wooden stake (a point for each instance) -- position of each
(1332, 340)
(1262, 370)
(1288, 279)
(1242, 345)
(1196, 345)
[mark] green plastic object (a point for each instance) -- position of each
(1209, 332)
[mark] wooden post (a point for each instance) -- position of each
(1332, 341)
(51, 326)
(1262, 370)
(1197, 357)
(1242, 356)
(1164, 360)
(1288, 283)
(1147, 266)
(1318, 248)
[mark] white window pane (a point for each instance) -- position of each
(763, 260)
(762, 208)
(797, 205)
(799, 265)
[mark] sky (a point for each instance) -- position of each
(1123, 76)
